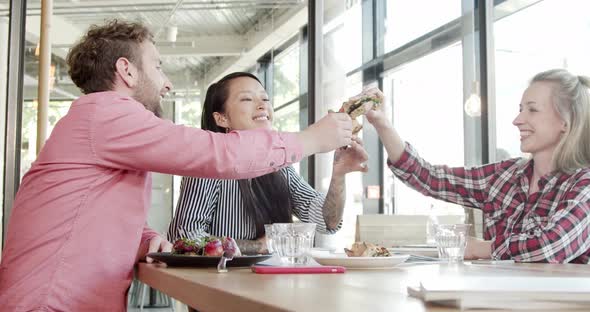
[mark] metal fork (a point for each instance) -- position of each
(227, 256)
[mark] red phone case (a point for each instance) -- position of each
(263, 269)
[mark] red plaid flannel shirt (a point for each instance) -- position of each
(551, 225)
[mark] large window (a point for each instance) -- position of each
(187, 111)
(286, 92)
(286, 76)
(426, 99)
(286, 81)
(162, 190)
(408, 20)
(62, 91)
(528, 42)
(342, 44)
(413, 48)
(342, 53)
(287, 118)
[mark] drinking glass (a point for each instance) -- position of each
(451, 240)
(293, 241)
(269, 233)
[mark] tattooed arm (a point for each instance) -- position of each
(333, 208)
(345, 161)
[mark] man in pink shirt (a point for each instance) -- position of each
(78, 222)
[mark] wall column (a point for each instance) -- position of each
(44, 72)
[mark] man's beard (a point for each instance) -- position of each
(148, 95)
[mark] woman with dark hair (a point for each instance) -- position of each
(240, 208)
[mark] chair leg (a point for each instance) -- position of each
(142, 296)
(133, 294)
(130, 294)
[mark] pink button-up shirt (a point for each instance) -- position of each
(79, 215)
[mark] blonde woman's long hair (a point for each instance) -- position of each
(571, 98)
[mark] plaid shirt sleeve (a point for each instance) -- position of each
(466, 187)
(562, 239)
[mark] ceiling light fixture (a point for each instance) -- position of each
(171, 33)
(473, 102)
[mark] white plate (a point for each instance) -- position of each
(428, 251)
(360, 262)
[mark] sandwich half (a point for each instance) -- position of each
(355, 108)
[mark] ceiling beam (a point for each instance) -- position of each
(203, 46)
(63, 33)
(197, 51)
(260, 42)
(159, 3)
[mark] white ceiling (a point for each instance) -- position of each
(214, 37)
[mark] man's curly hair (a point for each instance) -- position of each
(92, 60)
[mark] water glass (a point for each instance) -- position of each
(451, 240)
(293, 241)
(269, 233)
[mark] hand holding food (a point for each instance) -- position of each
(377, 116)
(327, 134)
(360, 105)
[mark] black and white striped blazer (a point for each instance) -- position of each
(214, 207)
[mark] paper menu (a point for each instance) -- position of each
(515, 293)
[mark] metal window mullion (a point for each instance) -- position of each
(269, 78)
(286, 104)
(373, 15)
(379, 36)
(303, 97)
(486, 77)
(14, 100)
(471, 124)
(314, 77)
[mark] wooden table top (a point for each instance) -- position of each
(356, 290)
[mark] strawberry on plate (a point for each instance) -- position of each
(213, 247)
(186, 246)
(231, 247)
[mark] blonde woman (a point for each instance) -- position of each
(535, 209)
